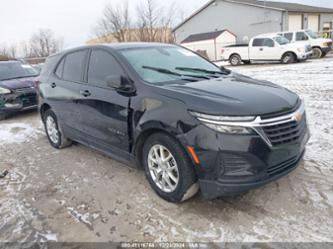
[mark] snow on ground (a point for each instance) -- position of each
(77, 194)
(17, 133)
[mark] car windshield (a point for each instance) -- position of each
(169, 63)
(312, 34)
(13, 70)
(281, 40)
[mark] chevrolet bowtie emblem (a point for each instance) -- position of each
(298, 117)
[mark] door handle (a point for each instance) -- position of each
(53, 85)
(261, 49)
(85, 93)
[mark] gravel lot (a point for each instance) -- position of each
(77, 194)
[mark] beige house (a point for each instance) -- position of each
(210, 44)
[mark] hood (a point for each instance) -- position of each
(14, 84)
(323, 40)
(234, 94)
(300, 44)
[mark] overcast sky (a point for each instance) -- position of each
(72, 19)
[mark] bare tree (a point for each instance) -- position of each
(8, 51)
(116, 22)
(155, 21)
(44, 43)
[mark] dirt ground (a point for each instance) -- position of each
(79, 195)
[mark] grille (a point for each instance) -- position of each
(286, 132)
(276, 169)
(29, 100)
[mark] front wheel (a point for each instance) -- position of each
(235, 60)
(316, 53)
(288, 58)
(168, 168)
(53, 132)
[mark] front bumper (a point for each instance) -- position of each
(18, 100)
(304, 56)
(232, 163)
(216, 188)
(326, 50)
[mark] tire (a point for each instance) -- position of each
(288, 58)
(183, 185)
(316, 53)
(53, 132)
(2, 117)
(235, 60)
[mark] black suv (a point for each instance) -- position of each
(188, 123)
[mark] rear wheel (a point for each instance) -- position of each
(288, 58)
(235, 60)
(168, 168)
(316, 53)
(53, 132)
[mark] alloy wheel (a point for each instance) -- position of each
(163, 168)
(52, 130)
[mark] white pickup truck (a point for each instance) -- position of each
(320, 46)
(269, 47)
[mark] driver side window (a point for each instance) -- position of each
(101, 65)
(301, 36)
(268, 43)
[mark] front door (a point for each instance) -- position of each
(264, 49)
(104, 111)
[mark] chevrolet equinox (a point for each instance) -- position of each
(188, 123)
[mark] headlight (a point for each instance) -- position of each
(226, 124)
(4, 91)
(230, 129)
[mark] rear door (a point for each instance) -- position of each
(64, 89)
(104, 111)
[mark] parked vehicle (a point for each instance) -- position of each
(320, 46)
(17, 92)
(266, 47)
(185, 121)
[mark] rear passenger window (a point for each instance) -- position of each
(288, 36)
(301, 36)
(258, 43)
(101, 65)
(74, 66)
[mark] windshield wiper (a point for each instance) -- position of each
(193, 69)
(182, 76)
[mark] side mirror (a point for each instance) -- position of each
(120, 83)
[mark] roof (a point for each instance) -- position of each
(282, 6)
(203, 36)
(117, 46)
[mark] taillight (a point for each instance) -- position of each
(36, 83)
